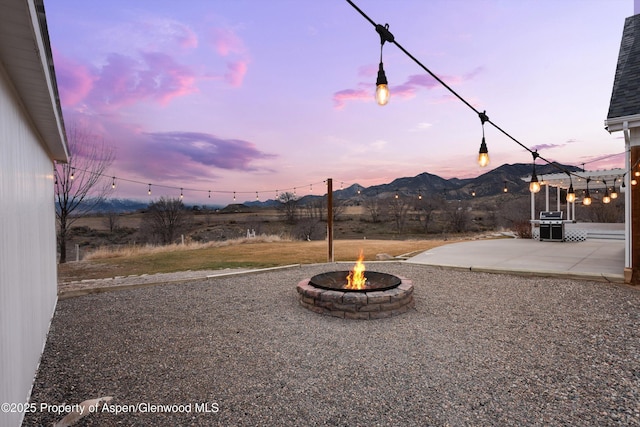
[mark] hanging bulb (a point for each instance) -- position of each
(587, 197)
(113, 183)
(534, 185)
(209, 193)
(149, 192)
(571, 195)
(634, 181)
(397, 195)
(614, 193)
(419, 196)
(606, 198)
(382, 88)
(257, 197)
(505, 189)
(234, 196)
(483, 154)
(473, 193)
(73, 173)
(181, 195)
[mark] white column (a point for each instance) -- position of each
(546, 191)
(533, 211)
(558, 198)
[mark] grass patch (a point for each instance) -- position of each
(242, 253)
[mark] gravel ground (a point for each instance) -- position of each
(479, 350)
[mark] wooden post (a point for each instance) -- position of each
(329, 220)
(635, 220)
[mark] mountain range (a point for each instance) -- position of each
(426, 184)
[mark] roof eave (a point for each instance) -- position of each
(617, 124)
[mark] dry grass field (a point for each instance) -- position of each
(238, 253)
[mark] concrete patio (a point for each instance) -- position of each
(594, 259)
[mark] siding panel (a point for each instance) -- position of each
(28, 288)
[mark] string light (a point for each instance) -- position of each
(382, 88)
(571, 195)
(606, 198)
(613, 190)
(534, 185)
(385, 35)
(483, 154)
(587, 197)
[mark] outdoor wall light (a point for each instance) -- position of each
(534, 185)
(587, 197)
(483, 154)
(382, 88)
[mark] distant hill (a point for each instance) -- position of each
(426, 184)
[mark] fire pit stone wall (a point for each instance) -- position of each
(357, 305)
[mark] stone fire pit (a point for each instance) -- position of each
(384, 296)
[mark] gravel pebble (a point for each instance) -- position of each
(478, 350)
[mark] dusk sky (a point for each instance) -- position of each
(264, 95)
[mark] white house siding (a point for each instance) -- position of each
(28, 289)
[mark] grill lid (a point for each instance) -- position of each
(551, 215)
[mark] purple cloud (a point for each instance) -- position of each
(155, 77)
(545, 146)
(209, 150)
(340, 98)
(407, 89)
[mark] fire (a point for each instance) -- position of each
(355, 278)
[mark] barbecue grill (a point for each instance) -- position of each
(551, 226)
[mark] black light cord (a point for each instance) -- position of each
(483, 117)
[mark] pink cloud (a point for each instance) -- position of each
(75, 81)
(236, 72)
(226, 42)
(407, 89)
(340, 98)
(125, 80)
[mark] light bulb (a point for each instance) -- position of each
(571, 195)
(606, 198)
(483, 154)
(587, 200)
(382, 94)
(534, 185)
(614, 193)
(382, 90)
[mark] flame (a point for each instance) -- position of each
(355, 278)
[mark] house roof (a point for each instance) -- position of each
(625, 96)
(25, 54)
